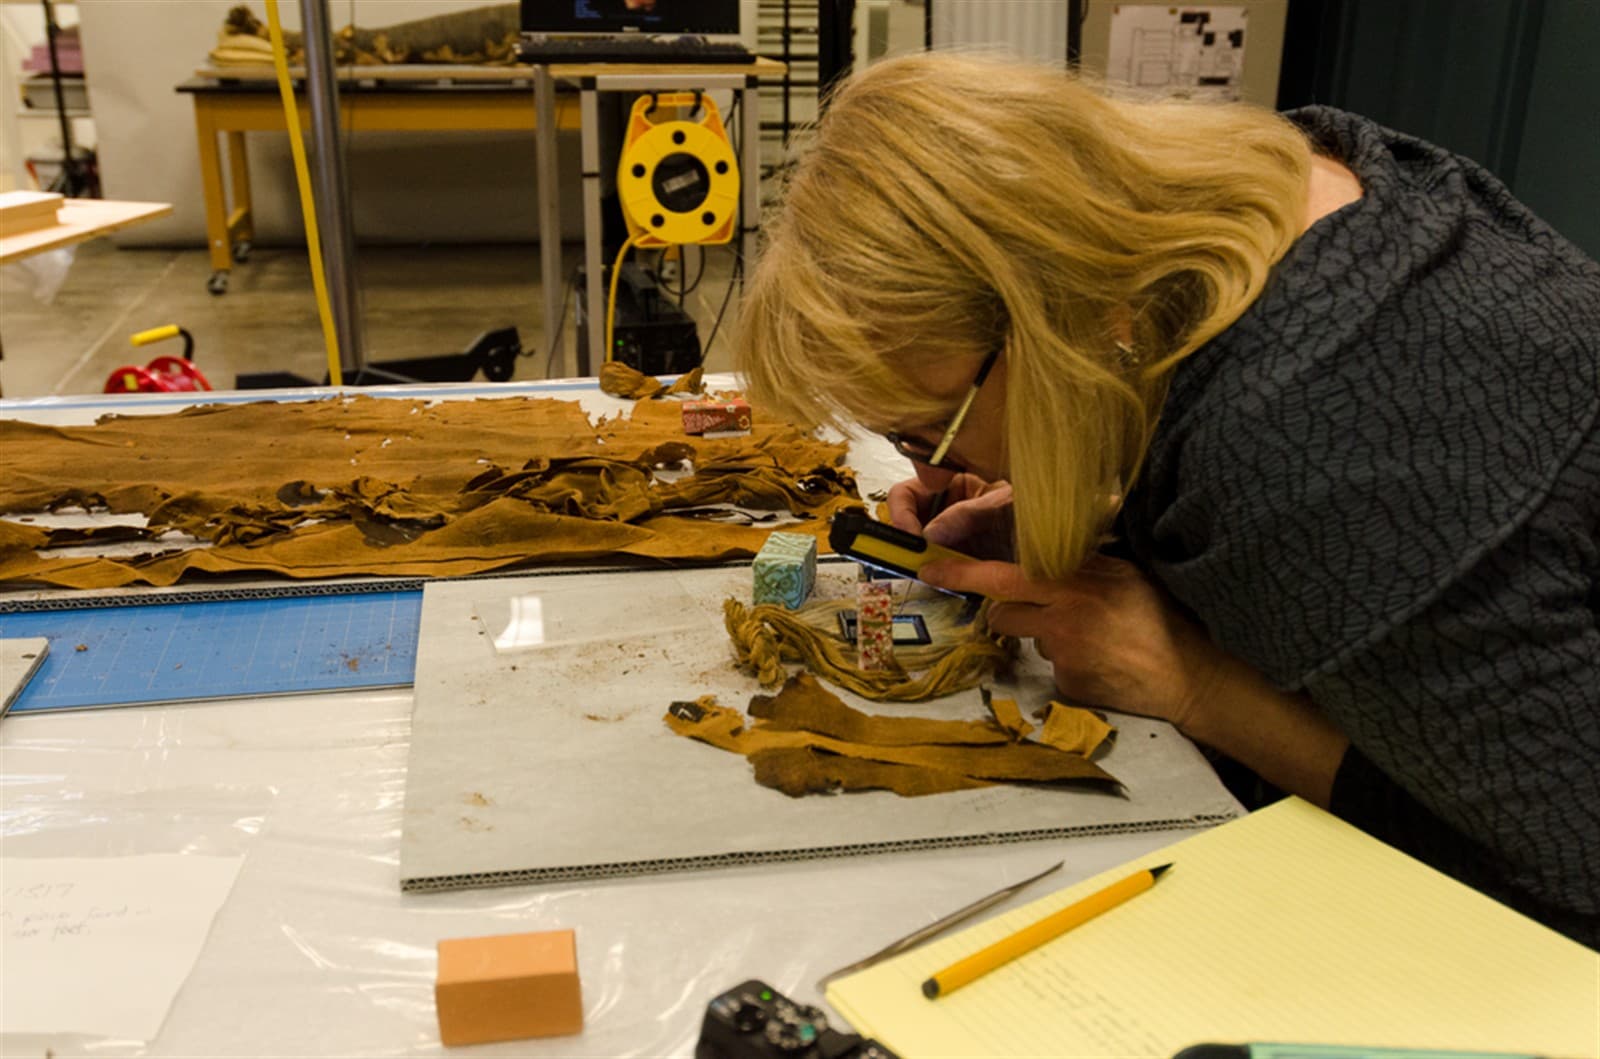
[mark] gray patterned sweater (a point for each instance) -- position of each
(1381, 487)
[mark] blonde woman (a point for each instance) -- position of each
(1282, 428)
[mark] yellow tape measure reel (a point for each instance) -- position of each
(677, 179)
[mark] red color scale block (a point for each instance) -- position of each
(875, 625)
(703, 417)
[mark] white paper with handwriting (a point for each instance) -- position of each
(101, 945)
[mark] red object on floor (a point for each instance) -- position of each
(161, 375)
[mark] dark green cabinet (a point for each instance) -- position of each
(1513, 84)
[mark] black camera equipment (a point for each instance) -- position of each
(755, 1020)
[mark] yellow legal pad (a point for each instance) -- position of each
(1285, 925)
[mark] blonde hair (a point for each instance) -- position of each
(952, 205)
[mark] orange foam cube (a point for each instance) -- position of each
(505, 987)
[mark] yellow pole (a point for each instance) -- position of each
(308, 206)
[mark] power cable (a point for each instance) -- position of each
(561, 322)
(733, 281)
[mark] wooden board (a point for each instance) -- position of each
(24, 211)
(408, 73)
(81, 219)
(415, 72)
(762, 67)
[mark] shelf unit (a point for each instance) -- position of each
(79, 177)
(786, 30)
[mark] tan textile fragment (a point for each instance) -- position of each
(1008, 716)
(805, 706)
(1074, 729)
(361, 485)
(948, 766)
(621, 380)
(767, 636)
(801, 771)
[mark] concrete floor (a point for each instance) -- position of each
(419, 301)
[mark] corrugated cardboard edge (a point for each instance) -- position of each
(627, 869)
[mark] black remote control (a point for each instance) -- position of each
(754, 1019)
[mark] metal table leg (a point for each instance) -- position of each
(332, 189)
(750, 163)
(549, 192)
(590, 359)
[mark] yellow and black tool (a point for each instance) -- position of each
(884, 547)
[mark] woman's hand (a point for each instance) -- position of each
(975, 519)
(1115, 639)
(1112, 636)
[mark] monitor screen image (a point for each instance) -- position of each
(614, 16)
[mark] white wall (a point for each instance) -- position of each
(19, 28)
(448, 187)
(1033, 29)
(1037, 29)
(22, 131)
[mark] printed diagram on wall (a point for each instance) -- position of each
(1190, 52)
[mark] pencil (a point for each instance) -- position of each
(1034, 935)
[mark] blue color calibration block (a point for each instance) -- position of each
(218, 649)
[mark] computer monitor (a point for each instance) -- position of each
(616, 16)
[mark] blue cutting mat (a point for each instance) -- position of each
(214, 649)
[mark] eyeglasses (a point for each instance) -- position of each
(933, 456)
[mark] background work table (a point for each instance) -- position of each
(233, 101)
(244, 104)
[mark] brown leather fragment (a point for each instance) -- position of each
(1027, 762)
(689, 382)
(805, 706)
(1007, 716)
(800, 772)
(360, 485)
(620, 380)
(19, 540)
(1074, 729)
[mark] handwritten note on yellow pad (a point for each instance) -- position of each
(1286, 925)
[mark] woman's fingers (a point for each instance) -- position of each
(1002, 582)
(906, 502)
(971, 519)
(910, 501)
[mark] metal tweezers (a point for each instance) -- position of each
(938, 926)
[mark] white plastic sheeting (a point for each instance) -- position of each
(318, 953)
